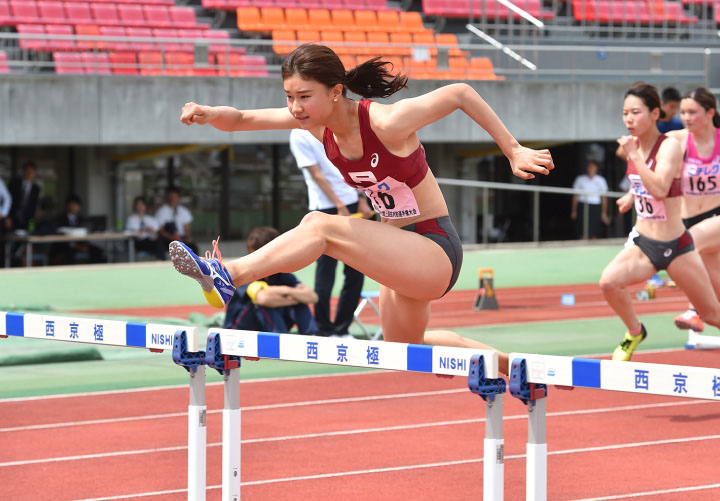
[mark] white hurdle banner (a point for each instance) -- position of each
(697, 341)
(224, 348)
(155, 337)
(530, 372)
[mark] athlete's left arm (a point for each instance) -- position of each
(403, 118)
(668, 166)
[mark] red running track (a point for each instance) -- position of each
(371, 436)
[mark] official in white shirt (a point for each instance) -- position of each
(174, 221)
(596, 203)
(144, 227)
(327, 192)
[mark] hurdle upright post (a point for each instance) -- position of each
(229, 367)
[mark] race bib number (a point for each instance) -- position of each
(392, 199)
(646, 206)
(699, 180)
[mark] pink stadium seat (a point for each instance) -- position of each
(24, 12)
(192, 33)
(184, 17)
(123, 63)
(88, 30)
(60, 45)
(354, 4)
(4, 65)
(105, 14)
(210, 71)
(68, 62)
(157, 16)
(254, 66)
(30, 43)
(376, 4)
(131, 15)
(115, 32)
(170, 46)
(230, 64)
(583, 10)
(150, 63)
(5, 16)
(78, 13)
(141, 33)
(52, 12)
(96, 62)
(221, 35)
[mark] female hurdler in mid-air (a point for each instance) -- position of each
(415, 252)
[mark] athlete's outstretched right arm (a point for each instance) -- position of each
(229, 119)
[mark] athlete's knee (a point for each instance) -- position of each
(314, 218)
(608, 283)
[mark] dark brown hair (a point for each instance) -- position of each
(260, 236)
(706, 99)
(648, 94)
(319, 63)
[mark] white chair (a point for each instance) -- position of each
(367, 299)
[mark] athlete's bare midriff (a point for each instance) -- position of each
(430, 201)
(669, 229)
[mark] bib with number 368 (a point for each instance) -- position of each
(392, 199)
(646, 207)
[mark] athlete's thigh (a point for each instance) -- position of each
(706, 235)
(628, 267)
(402, 260)
(403, 319)
(689, 273)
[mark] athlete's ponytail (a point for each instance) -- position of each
(707, 100)
(318, 62)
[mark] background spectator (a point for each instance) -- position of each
(327, 192)
(597, 204)
(174, 221)
(25, 193)
(145, 229)
(5, 222)
(670, 106)
(74, 252)
(273, 304)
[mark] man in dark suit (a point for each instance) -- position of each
(25, 193)
(74, 252)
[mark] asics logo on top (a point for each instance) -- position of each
(363, 177)
(667, 252)
(374, 159)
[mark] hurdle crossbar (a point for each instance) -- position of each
(697, 341)
(226, 347)
(634, 377)
(156, 338)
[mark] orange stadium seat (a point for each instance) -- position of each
(78, 13)
(151, 63)
(248, 19)
(96, 62)
(367, 20)
(375, 38)
(481, 68)
(286, 36)
(458, 68)
(426, 38)
(88, 30)
(334, 39)
(123, 63)
(348, 61)
(388, 20)
(32, 43)
(60, 45)
(583, 10)
(400, 38)
(272, 18)
(450, 39)
(343, 20)
(131, 15)
(68, 62)
(52, 12)
(296, 19)
(230, 64)
(319, 19)
(308, 35)
(412, 22)
(398, 64)
(356, 37)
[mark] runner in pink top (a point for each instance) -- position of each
(659, 240)
(414, 253)
(701, 185)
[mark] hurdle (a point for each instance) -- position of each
(530, 374)
(225, 348)
(156, 338)
(697, 341)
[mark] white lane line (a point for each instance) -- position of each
(248, 408)
(654, 493)
(354, 432)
